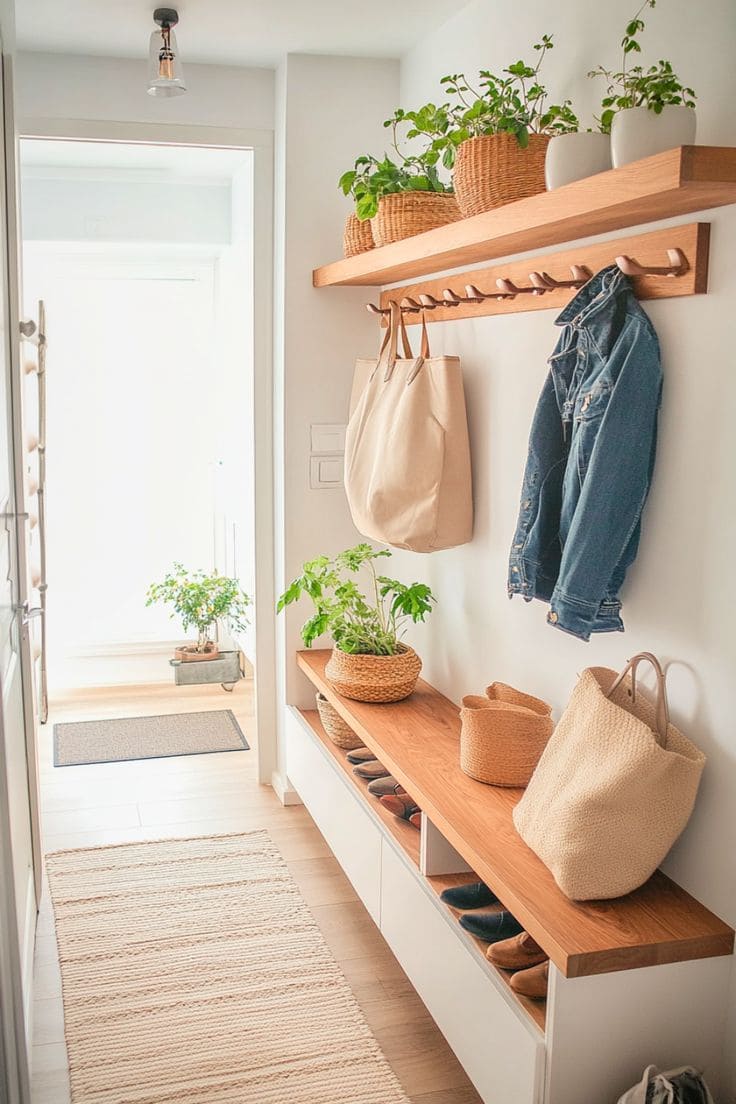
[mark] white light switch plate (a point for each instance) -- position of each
(327, 438)
(325, 472)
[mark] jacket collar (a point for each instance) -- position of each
(595, 296)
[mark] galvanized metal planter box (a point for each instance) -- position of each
(225, 670)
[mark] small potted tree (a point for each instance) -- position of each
(368, 662)
(498, 139)
(401, 195)
(200, 600)
(646, 111)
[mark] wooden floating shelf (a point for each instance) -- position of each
(417, 741)
(677, 182)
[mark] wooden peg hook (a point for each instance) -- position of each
(678, 265)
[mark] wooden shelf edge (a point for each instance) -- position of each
(645, 905)
(676, 182)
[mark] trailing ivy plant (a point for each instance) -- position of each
(371, 178)
(359, 623)
(513, 103)
(634, 86)
(200, 599)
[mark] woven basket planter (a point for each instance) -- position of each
(336, 728)
(404, 214)
(372, 678)
(493, 169)
(357, 236)
(503, 735)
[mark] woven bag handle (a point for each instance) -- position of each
(663, 712)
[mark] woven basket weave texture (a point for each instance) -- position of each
(503, 735)
(405, 214)
(493, 169)
(357, 236)
(336, 728)
(372, 678)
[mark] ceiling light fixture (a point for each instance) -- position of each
(165, 75)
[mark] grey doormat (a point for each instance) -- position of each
(109, 741)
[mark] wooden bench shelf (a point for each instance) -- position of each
(689, 178)
(407, 838)
(417, 740)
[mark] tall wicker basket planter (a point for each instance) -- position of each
(357, 236)
(493, 169)
(336, 728)
(374, 678)
(404, 214)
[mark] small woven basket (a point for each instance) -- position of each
(404, 214)
(493, 169)
(503, 735)
(357, 236)
(336, 728)
(373, 678)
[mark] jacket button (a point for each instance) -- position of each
(526, 504)
(517, 547)
(515, 570)
(552, 618)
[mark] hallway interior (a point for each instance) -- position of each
(204, 795)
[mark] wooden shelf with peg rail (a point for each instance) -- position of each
(677, 182)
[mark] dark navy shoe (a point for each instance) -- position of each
(471, 896)
(491, 926)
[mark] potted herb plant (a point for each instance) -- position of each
(369, 662)
(403, 194)
(499, 133)
(646, 111)
(200, 600)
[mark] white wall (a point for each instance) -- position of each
(323, 122)
(678, 599)
(64, 86)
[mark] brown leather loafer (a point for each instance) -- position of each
(361, 755)
(532, 983)
(370, 770)
(401, 805)
(518, 953)
(379, 787)
(416, 819)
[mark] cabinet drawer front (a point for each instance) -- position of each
(500, 1053)
(348, 829)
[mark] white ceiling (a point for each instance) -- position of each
(232, 32)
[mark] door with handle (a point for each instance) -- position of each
(20, 845)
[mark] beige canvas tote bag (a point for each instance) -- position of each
(407, 453)
(614, 787)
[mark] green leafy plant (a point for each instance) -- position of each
(200, 600)
(357, 624)
(513, 103)
(634, 86)
(371, 178)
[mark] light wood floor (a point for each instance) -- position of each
(202, 795)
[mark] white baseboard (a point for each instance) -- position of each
(284, 791)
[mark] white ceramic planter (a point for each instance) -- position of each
(575, 156)
(638, 132)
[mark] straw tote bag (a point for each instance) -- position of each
(614, 787)
(407, 454)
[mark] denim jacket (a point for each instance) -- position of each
(590, 462)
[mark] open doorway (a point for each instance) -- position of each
(142, 255)
(143, 258)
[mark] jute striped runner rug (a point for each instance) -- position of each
(193, 973)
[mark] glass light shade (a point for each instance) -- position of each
(165, 74)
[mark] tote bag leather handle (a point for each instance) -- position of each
(389, 345)
(663, 712)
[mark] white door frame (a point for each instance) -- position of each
(261, 142)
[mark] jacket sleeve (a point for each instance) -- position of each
(615, 484)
